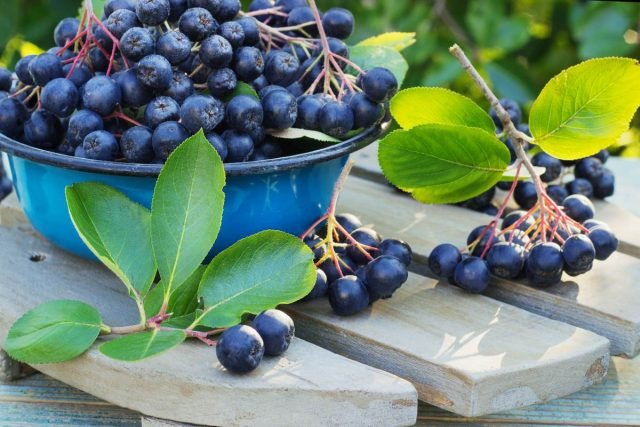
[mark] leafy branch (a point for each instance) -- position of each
(175, 237)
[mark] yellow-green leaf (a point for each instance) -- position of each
(429, 105)
(443, 163)
(396, 41)
(586, 107)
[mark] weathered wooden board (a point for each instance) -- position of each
(625, 224)
(605, 301)
(614, 402)
(309, 385)
(467, 354)
(40, 400)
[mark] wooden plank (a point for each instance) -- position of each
(627, 173)
(605, 301)
(40, 400)
(187, 384)
(464, 353)
(613, 402)
(624, 223)
(11, 212)
(465, 388)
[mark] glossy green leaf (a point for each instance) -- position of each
(493, 29)
(53, 332)
(396, 41)
(117, 230)
(257, 273)
(443, 163)
(143, 345)
(186, 211)
(368, 57)
(183, 299)
(600, 29)
(242, 88)
(295, 133)
(586, 107)
(429, 105)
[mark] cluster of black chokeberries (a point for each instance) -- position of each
(134, 84)
(357, 275)
(520, 250)
(241, 348)
(5, 183)
(587, 176)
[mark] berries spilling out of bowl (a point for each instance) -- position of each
(526, 247)
(241, 348)
(356, 266)
(132, 85)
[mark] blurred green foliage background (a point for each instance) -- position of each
(518, 44)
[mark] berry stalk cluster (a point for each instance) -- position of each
(557, 233)
(356, 266)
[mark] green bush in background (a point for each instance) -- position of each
(518, 44)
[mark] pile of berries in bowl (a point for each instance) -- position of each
(133, 81)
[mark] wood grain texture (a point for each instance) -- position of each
(613, 402)
(43, 401)
(464, 353)
(605, 301)
(10, 211)
(621, 212)
(187, 384)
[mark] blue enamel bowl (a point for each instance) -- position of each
(286, 194)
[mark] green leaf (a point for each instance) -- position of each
(600, 29)
(182, 299)
(368, 57)
(98, 7)
(295, 133)
(242, 88)
(257, 273)
(143, 345)
(117, 230)
(395, 41)
(186, 211)
(53, 332)
(443, 163)
(428, 105)
(586, 107)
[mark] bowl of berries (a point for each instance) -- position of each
(272, 89)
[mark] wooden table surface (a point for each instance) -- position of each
(40, 400)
